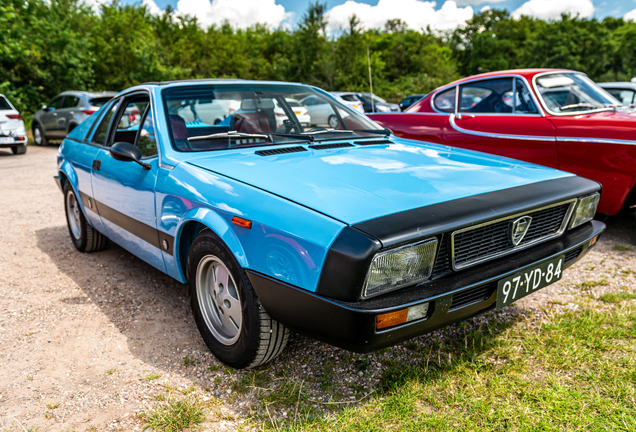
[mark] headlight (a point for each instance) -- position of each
(585, 209)
(396, 268)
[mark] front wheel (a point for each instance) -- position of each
(85, 238)
(333, 121)
(229, 315)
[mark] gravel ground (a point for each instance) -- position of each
(88, 341)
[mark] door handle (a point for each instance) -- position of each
(97, 164)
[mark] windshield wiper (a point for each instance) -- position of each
(317, 131)
(580, 105)
(235, 134)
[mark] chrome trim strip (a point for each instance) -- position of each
(596, 140)
(164, 166)
(496, 135)
(561, 230)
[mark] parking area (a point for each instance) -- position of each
(88, 341)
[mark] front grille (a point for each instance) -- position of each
(442, 262)
(278, 151)
(488, 241)
(573, 254)
(471, 296)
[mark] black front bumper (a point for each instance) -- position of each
(352, 325)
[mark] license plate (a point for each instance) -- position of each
(6, 140)
(528, 281)
(297, 112)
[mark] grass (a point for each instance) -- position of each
(592, 284)
(622, 248)
(174, 416)
(574, 371)
(52, 405)
(617, 297)
(152, 377)
(187, 361)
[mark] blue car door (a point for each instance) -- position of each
(125, 191)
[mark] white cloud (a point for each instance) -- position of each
(95, 4)
(416, 14)
(485, 8)
(630, 16)
(552, 9)
(476, 2)
(239, 13)
(152, 7)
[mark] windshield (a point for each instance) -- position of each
(218, 117)
(569, 93)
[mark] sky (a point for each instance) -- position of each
(441, 14)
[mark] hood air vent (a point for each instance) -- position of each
(278, 151)
(374, 142)
(330, 146)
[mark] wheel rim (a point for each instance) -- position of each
(333, 121)
(73, 215)
(37, 136)
(219, 300)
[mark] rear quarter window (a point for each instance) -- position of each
(4, 104)
(445, 101)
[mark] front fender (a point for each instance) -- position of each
(218, 225)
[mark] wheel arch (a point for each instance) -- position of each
(67, 174)
(192, 224)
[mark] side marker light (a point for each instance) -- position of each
(391, 319)
(242, 222)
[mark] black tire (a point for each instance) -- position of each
(21, 149)
(85, 238)
(42, 138)
(258, 339)
(333, 121)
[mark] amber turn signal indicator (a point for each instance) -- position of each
(242, 222)
(391, 319)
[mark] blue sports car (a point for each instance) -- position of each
(338, 230)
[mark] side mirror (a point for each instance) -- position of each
(126, 152)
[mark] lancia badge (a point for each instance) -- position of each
(519, 229)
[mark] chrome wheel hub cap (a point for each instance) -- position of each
(73, 215)
(219, 300)
(37, 136)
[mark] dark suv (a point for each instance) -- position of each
(64, 112)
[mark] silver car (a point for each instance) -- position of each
(623, 91)
(64, 112)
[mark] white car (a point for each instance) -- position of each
(301, 113)
(12, 130)
(350, 99)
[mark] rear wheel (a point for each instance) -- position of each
(21, 149)
(38, 135)
(333, 121)
(85, 238)
(229, 315)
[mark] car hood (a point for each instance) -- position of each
(618, 125)
(355, 184)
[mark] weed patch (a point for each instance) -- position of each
(174, 416)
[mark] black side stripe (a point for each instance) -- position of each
(145, 232)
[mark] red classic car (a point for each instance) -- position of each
(554, 117)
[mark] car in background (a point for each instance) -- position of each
(350, 99)
(301, 112)
(372, 103)
(350, 234)
(409, 100)
(553, 117)
(64, 113)
(624, 92)
(320, 111)
(12, 131)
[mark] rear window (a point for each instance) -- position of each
(350, 98)
(4, 104)
(99, 101)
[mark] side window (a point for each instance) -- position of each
(129, 120)
(101, 134)
(523, 99)
(70, 102)
(490, 96)
(146, 140)
(623, 95)
(445, 101)
(55, 103)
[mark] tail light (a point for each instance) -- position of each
(14, 116)
(304, 112)
(89, 112)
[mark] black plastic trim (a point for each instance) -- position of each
(346, 265)
(145, 232)
(424, 222)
